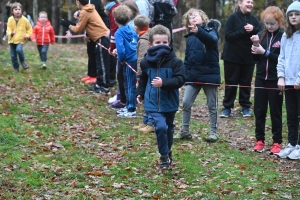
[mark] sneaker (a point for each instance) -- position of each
(85, 78)
(24, 65)
(112, 83)
(170, 156)
(259, 146)
(127, 114)
(182, 135)
(122, 110)
(102, 90)
(141, 125)
(213, 137)
(246, 112)
(117, 105)
(225, 113)
(286, 151)
(165, 162)
(276, 147)
(91, 80)
(44, 66)
(16, 69)
(112, 99)
(147, 129)
(295, 154)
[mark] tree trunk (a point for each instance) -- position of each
(35, 10)
(70, 14)
(198, 4)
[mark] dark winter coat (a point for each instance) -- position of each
(266, 66)
(237, 46)
(161, 61)
(202, 56)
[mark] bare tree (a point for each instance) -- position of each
(35, 10)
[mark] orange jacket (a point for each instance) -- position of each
(43, 34)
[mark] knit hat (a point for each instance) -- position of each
(295, 6)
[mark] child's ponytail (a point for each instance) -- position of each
(263, 35)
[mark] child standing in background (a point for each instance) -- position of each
(265, 50)
(18, 32)
(141, 25)
(162, 75)
(43, 35)
(126, 41)
(238, 61)
(288, 73)
(201, 65)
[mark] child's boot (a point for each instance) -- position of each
(147, 129)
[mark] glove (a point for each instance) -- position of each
(66, 23)
(214, 24)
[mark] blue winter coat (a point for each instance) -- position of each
(202, 56)
(161, 61)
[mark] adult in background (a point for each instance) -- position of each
(238, 61)
(25, 14)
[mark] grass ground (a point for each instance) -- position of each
(59, 142)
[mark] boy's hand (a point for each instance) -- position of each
(157, 82)
(114, 52)
(33, 41)
(193, 28)
(139, 99)
(296, 86)
(26, 37)
(12, 33)
(86, 39)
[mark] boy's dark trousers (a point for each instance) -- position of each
(263, 97)
(164, 130)
(112, 68)
(103, 62)
(292, 103)
(91, 51)
(237, 74)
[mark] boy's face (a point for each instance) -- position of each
(195, 18)
(160, 40)
(43, 18)
(17, 11)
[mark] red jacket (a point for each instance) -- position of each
(43, 34)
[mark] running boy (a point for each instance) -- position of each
(126, 41)
(43, 35)
(162, 75)
(18, 31)
(90, 20)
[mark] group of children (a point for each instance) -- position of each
(161, 73)
(19, 30)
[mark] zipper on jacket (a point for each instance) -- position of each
(269, 47)
(43, 35)
(158, 89)
(150, 85)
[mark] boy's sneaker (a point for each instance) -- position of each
(85, 78)
(182, 135)
(295, 154)
(225, 113)
(213, 137)
(112, 99)
(147, 129)
(16, 69)
(24, 65)
(44, 66)
(127, 114)
(170, 156)
(117, 105)
(246, 112)
(286, 151)
(259, 146)
(122, 110)
(102, 90)
(141, 125)
(165, 162)
(276, 147)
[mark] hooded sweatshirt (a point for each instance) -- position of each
(126, 41)
(43, 34)
(90, 20)
(21, 28)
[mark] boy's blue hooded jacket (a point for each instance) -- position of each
(161, 61)
(126, 42)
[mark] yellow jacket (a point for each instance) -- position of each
(21, 29)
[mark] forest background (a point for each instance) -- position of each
(217, 9)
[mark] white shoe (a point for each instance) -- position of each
(122, 110)
(4, 38)
(127, 114)
(112, 99)
(286, 151)
(295, 154)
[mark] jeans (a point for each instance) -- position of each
(15, 51)
(148, 119)
(130, 85)
(43, 49)
(164, 130)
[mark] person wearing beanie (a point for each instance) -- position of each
(288, 73)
